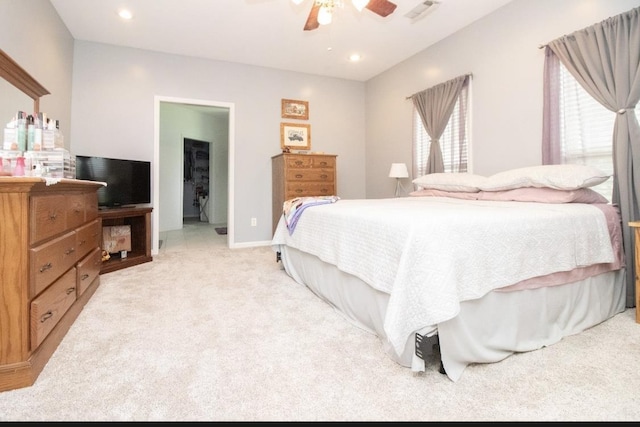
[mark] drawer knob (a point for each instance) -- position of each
(70, 251)
(324, 176)
(45, 267)
(298, 162)
(84, 277)
(82, 242)
(323, 163)
(46, 316)
(70, 291)
(299, 176)
(53, 216)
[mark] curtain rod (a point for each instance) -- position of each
(411, 96)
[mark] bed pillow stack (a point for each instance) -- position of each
(546, 184)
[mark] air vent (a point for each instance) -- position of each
(421, 9)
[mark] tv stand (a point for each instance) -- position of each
(140, 221)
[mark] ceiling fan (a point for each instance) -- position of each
(322, 10)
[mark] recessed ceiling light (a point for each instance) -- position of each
(125, 14)
(355, 57)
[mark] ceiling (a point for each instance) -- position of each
(269, 33)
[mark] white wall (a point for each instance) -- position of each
(501, 50)
(113, 116)
(32, 33)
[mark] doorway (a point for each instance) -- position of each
(196, 182)
(168, 166)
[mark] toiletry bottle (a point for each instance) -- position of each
(19, 170)
(37, 138)
(31, 132)
(21, 131)
(10, 142)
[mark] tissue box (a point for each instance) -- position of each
(116, 238)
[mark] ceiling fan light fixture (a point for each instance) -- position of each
(324, 15)
(360, 4)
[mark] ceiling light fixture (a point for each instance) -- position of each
(325, 12)
(125, 14)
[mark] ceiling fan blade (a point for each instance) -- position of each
(312, 20)
(381, 7)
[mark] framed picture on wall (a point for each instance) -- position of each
(294, 109)
(295, 136)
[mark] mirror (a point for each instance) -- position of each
(15, 77)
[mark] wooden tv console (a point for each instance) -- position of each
(140, 221)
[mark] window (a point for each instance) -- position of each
(454, 142)
(586, 130)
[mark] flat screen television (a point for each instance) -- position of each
(128, 181)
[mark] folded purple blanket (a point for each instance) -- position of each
(293, 208)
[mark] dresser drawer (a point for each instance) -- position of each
(306, 161)
(310, 175)
(48, 308)
(48, 261)
(47, 216)
(88, 237)
(307, 189)
(324, 162)
(76, 210)
(87, 270)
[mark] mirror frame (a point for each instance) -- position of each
(17, 76)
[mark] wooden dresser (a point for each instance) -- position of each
(636, 251)
(301, 175)
(50, 237)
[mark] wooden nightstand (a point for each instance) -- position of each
(636, 226)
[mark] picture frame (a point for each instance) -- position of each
(295, 136)
(295, 109)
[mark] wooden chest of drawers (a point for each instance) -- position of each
(301, 175)
(50, 236)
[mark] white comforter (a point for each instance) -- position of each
(431, 253)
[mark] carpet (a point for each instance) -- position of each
(221, 230)
(205, 333)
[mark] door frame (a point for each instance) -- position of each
(155, 238)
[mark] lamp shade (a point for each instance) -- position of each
(398, 170)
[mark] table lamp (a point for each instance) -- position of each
(398, 171)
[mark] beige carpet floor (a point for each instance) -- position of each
(205, 333)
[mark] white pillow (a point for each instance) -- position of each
(456, 182)
(559, 177)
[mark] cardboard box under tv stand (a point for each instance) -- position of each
(139, 219)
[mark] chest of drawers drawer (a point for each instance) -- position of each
(48, 308)
(48, 217)
(87, 270)
(304, 189)
(88, 237)
(323, 175)
(49, 260)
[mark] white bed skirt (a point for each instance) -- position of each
(486, 330)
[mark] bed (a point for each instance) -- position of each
(475, 268)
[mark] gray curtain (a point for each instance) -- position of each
(605, 60)
(551, 143)
(435, 106)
